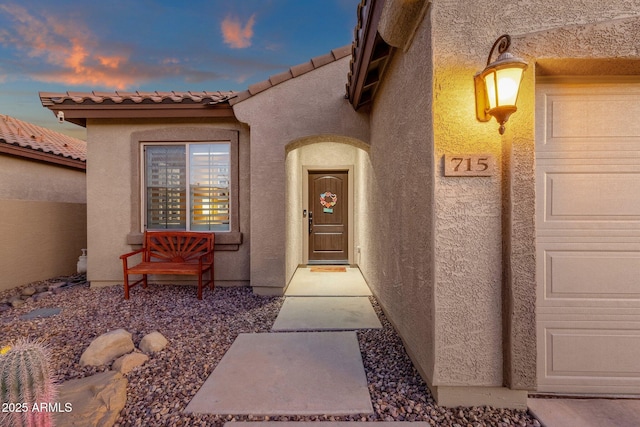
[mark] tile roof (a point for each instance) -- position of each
(137, 97)
(369, 57)
(18, 133)
(292, 73)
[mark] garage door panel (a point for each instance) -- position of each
(593, 119)
(603, 197)
(588, 274)
(599, 356)
(592, 274)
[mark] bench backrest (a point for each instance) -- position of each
(177, 246)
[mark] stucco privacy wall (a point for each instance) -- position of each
(113, 155)
(468, 291)
(43, 227)
(310, 104)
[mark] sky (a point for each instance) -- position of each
(163, 45)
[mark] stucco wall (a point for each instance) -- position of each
(470, 214)
(43, 227)
(114, 167)
(308, 105)
(397, 254)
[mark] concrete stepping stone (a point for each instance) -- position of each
(328, 284)
(326, 313)
(303, 373)
(41, 312)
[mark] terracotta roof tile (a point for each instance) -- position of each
(259, 87)
(292, 73)
(321, 60)
(300, 69)
(27, 135)
(341, 52)
(279, 78)
(137, 97)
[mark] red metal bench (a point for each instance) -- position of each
(172, 252)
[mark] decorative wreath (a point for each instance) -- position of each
(328, 195)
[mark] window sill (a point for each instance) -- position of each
(227, 241)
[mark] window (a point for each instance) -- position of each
(187, 186)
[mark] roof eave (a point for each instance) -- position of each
(79, 113)
(370, 55)
(41, 156)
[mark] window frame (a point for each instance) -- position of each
(187, 184)
(225, 240)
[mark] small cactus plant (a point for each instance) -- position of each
(25, 384)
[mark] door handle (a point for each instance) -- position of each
(310, 222)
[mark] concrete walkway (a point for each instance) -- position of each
(586, 412)
(307, 371)
(316, 369)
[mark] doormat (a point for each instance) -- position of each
(328, 269)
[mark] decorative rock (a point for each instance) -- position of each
(17, 303)
(56, 285)
(153, 342)
(4, 307)
(38, 297)
(41, 289)
(107, 347)
(14, 298)
(28, 291)
(125, 364)
(92, 401)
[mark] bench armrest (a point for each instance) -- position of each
(125, 256)
(209, 258)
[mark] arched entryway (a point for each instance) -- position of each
(340, 164)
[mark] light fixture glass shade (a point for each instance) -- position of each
(498, 85)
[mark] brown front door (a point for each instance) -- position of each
(327, 218)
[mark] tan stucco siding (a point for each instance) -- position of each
(397, 256)
(470, 214)
(113, 191)
(308, 105)
(43, 225)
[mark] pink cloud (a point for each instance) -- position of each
(235, 35)
(67, 46)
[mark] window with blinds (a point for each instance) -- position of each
(199, 203)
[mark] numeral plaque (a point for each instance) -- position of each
(469, 165)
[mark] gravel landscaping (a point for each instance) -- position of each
(199, 333)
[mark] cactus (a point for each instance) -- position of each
(25, 381)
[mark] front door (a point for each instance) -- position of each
(327, 217)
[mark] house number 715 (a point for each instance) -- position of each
(469, 165)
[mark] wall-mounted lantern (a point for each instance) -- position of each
(497, 86)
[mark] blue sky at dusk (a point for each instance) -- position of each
(80, 45)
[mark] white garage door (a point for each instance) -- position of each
(588, 237)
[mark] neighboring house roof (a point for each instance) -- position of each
(293, 72)
(23, 139)
(79, 106)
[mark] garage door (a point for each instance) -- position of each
(588, 237)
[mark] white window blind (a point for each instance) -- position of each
(209, 187)
(207, 203)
